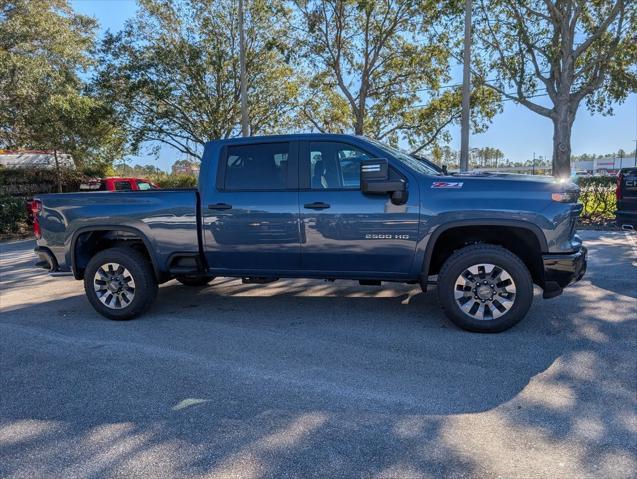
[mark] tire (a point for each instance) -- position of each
(135, 294)
(502, 301)
(194, 280)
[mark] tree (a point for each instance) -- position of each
(174, 71)
(44, 49)
(568, 50)
(376, 67)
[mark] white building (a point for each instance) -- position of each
(34, 159)
(600, 166)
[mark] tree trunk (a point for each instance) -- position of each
(358, 125)
(243, 80)
(57, 170)
(562, 125)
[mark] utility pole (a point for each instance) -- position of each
(245, 128)
(466, 89)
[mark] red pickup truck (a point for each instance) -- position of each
(119, 184)
(113, 183)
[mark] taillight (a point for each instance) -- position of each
(36, 208)
(618, 190)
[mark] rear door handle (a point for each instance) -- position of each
(317, 205)
(219, 206)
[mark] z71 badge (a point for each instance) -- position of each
(446, 184)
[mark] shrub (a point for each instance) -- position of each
(599, 203)
(175, 181)
(13, 215)
(586, 181)
(32, 181)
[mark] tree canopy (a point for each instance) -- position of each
(173, 72)
(378, 67)
(565, 51)
(44, 51)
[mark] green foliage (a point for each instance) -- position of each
(139, 171)
(157, 176)
(26, 182)
(13, 215)
(376, 67)
(599, 202)
(17, 185)
(174, 181)
(45, 47)
(605, 181)
(173, 72)
(570, 51)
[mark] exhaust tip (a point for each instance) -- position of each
(628, 228)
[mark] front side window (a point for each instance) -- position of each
(335, 165)
(122, 186)
(257, 167)
(143, 185)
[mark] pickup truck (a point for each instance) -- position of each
(626, 191)
(323, 206)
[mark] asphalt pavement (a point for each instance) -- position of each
(315, 379)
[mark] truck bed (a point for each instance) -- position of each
(167, 219)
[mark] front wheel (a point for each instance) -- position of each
(485, 288)
(120, 283)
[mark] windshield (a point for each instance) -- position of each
(410, 161)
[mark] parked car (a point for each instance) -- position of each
(626, 214)
(281, 207)
(116, 183)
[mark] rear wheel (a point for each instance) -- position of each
(485, 288)
(194, 280)
(120, 283)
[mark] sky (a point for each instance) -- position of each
(517, 131)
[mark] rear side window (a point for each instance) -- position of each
(122, 186)
(257, 167)
(142, 185)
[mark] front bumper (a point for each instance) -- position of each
(626, 219)
(560, 270)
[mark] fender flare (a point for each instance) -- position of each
(129, 229)
(431, 243)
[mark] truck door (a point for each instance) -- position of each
(251, 217)
(344, 230)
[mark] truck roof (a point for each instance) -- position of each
(288, 137)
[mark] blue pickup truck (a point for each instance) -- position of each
(323, 206)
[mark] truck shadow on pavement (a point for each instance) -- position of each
(312, 379)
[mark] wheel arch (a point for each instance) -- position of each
(490, 231)
(112, 233)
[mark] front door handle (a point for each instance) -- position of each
(219, 206)
(317, 205)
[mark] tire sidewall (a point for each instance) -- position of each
(138, 267)
(500, 257)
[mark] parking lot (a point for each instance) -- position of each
(317, 379)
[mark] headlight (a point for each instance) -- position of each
(565, 196)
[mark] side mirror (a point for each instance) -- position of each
(375, 180)
(444, 170)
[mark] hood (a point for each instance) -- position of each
(508, 176)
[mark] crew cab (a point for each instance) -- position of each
(323, 206)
